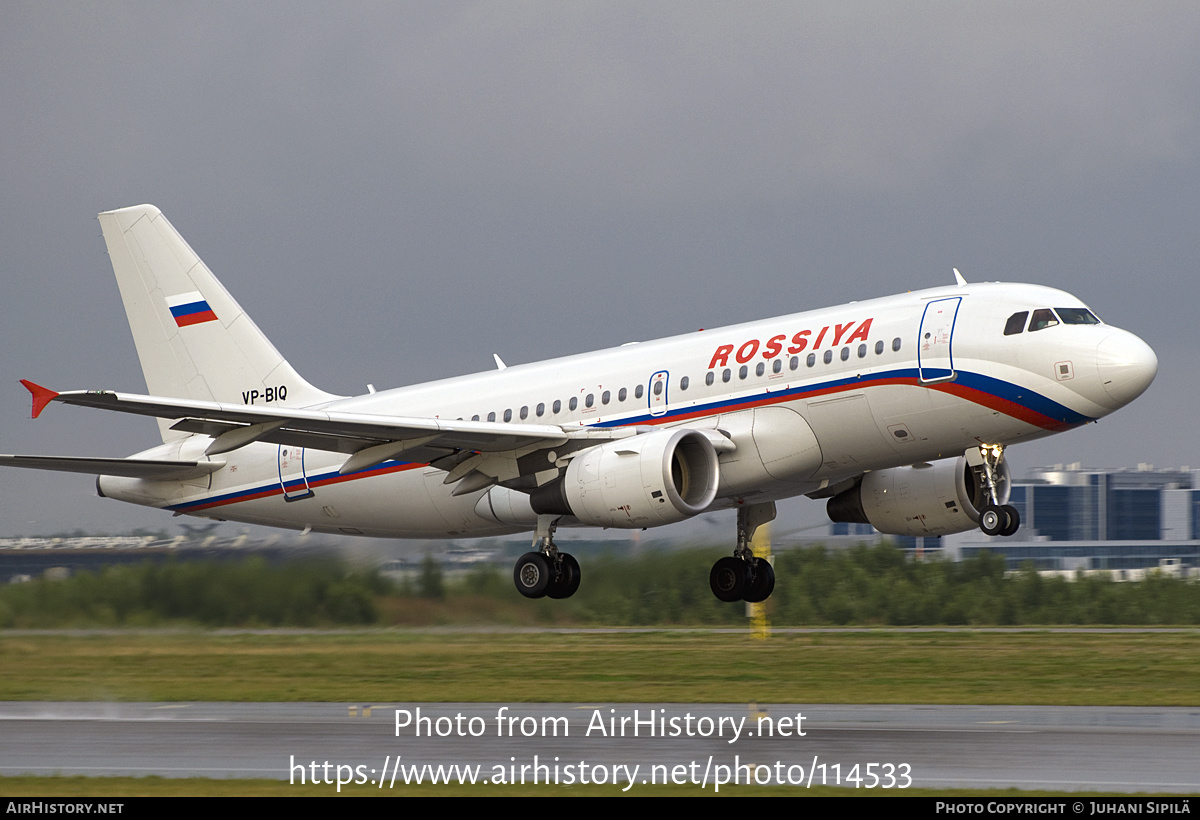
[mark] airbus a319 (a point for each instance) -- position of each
(898, 411)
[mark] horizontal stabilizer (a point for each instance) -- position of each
(125, 467)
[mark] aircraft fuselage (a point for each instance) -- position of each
(808, 400)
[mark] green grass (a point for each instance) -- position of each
(1042, 668)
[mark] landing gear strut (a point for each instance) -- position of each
(995, 518)
(546, 572)
(742, 576)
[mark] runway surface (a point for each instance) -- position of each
(1124, 749)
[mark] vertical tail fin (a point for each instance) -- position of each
(193, 339)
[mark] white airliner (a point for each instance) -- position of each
(897, 410)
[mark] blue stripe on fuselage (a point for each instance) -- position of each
(1038, 410)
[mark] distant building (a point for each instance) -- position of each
(1073, 504)
(1073, 518)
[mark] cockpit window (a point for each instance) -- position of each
(1042, 318)
(1016, 323)
(1077, 316)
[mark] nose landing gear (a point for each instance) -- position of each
(995, 518)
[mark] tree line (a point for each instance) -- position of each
(864, 586)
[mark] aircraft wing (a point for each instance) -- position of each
(128, 467)
(459, 447)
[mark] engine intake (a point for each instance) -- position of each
(643, 481)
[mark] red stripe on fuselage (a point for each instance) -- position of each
(1005, 406)
(276, 489)
(982, 398)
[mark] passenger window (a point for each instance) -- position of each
(590, 400)
(795, 363)
(710, 378)
(541, 409)
(762, 368)
(845, 353)
(557, 407)
(683, 383)
(777, 366)
(475, 417)
(508, 415)
(658, 388)
(896, 344)
(725, 376)
(743, 371)
(524, 412)
(604, 397)
(492, 416)
(637, 392)
(828, 356)
(862, 351)
(879, 348)
(1042, 319)
(573, 403)
(621, 394)
(812, 359)
(1016, 323)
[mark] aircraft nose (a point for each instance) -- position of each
(1127, 366)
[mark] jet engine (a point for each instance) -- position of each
(642, 481)
(925, 499)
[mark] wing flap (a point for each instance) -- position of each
(295, 438)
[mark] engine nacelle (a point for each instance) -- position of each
(642, 481)
(926, 499)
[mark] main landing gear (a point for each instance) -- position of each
(742, 576)
(546, 572)
(995, 518)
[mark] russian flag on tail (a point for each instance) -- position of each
(190, 309)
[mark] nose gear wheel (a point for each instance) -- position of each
(995, 518)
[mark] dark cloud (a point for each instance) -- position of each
(395, 191)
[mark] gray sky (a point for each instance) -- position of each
(394, 191)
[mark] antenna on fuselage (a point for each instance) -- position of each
(500, 365)
(959, 278)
